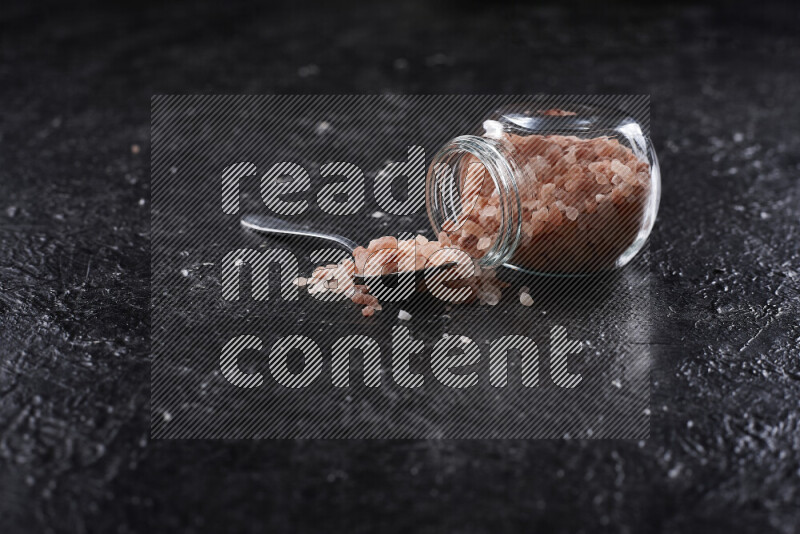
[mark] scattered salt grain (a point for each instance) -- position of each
(525, 299)
(308, 70)
(571, 213)
(404, 315)
(322, 127)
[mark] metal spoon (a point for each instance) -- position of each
(279, 227)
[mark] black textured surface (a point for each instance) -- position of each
(74, 375)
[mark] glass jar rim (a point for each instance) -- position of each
(493, 155)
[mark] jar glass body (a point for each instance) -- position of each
(556, 191)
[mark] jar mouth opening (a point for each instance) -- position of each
(466, 176)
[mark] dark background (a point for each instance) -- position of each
(76, 82)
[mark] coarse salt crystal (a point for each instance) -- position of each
(571, 213)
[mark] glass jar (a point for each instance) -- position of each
(572, 190)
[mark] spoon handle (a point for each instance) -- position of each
(274, 226)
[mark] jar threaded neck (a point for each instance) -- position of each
(445, 191)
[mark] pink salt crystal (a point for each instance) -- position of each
(601, 179)
(571, 213)
(484, 243)
(385, 242)
(429, 248)
(531, 205)
(569, 156)
(539, 165)
(359, 298)
(620, 168)
(368, 311)
(539, 215)
(599, 198)
(405, 248)
(525, 299)
(553, 154)
(444, 239)
(421, 239)
(360, 255)
(571, 185)
(470, 228)
(300, 282)
(492, 298)
(598, 166)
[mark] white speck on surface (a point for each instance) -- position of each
(167, 416)
(404, 315)
(675, 471)
(322, 127)
(616, 383)
(142, 202)
(738, 137)
(308, 70)
(184, 272)
(437, 59)
(11, 211)
(765, 215)
(378, 215)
